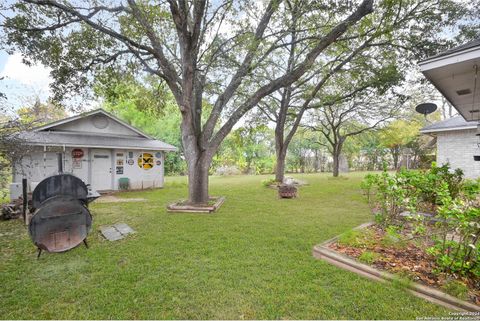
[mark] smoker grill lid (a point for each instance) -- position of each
(60, 224)
(61, 184)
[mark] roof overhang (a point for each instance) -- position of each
(453, 75)
(164, 149)
(439, 130)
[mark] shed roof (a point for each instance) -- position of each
(102, 111)
(47, 138)
(55, 134)
(451, 124)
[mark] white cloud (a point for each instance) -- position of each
(36, 76)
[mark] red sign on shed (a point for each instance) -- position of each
(77, 153)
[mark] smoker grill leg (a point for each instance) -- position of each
(85, 242)
(39, 253)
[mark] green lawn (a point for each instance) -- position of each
(250, 260)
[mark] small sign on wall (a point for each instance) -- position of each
(130, 161)
(77, 153)
(119, 168)
(76, 163)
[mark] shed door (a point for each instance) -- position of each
(101, 169)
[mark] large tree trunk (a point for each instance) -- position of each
(198, 157)
(281, 152)
(198, 181)
(395, 154)
(337, 150)
(336, 164)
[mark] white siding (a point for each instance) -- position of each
(458, 148)
(35, 168)
(139, 178)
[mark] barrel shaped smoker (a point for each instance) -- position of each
(61, 219)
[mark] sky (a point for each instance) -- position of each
(22, 83)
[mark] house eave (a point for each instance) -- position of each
(102, 146)
(456, 57)
(439, 130)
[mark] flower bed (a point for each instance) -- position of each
(439, 248)
(408, 258)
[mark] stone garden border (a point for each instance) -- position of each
(323, 252)
(179, 207)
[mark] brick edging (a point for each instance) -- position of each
(321, 251)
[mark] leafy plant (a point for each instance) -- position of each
(451, 199)
(268, 182)
(392, 237)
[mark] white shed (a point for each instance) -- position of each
(97, 147)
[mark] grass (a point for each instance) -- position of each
(368, 257)
(456, 288)
(356, 238)
(250, 260)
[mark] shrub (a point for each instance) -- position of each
(452, 200)
(392, 237)
(456, 249)
(406, 190)
(268, 182)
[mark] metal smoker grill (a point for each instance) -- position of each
(61, 219)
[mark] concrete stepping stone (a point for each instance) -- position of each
(123, 228)
(116, 232)
(111, 233)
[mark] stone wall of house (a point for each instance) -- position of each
(458, 148)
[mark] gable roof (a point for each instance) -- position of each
(46, 135)
(52, 138)
(451, 124)
(86, 114)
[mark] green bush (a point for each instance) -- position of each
(451, 198)
(268, 182)
(393, 238)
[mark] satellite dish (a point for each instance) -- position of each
(426, 108)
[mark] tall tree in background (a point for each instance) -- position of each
(389, 39)
(185, 44)
(146, 104)
(398, 135)
(38, 113)
(352, 117)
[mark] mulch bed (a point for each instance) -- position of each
(407, 260)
